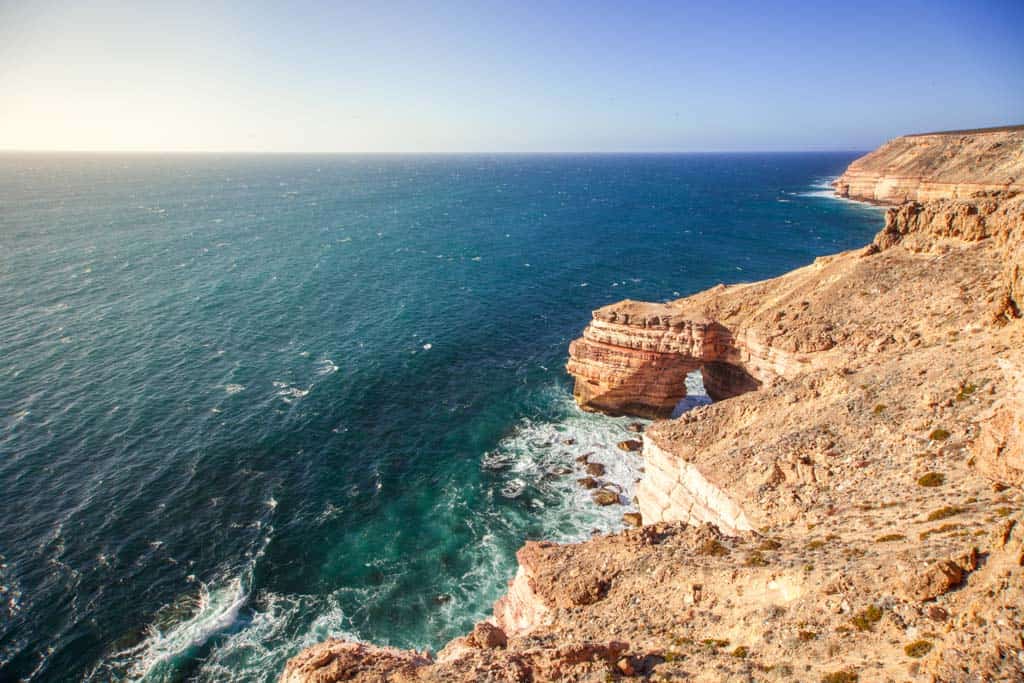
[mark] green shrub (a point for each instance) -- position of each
(965, 391)
(866, 619)
(756, 559)
(919, 648)
(944, 512)
(712, 547)
(890, 537)
(932, 479)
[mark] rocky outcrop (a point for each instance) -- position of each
(338, 660)
(988, 215)
(853, 511)
(998, 216)
(999, 448)
(634, 356)
(933, 166)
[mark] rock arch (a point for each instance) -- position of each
(634, 356)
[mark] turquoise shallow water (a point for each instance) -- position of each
(250, 402)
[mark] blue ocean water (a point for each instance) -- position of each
(250, 402)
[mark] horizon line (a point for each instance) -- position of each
(183, 152)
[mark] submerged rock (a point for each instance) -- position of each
(605, 497)
(631, 445)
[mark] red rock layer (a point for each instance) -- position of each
(634, 356)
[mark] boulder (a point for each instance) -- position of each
(488, 636)
(633, 519)
(930, 581)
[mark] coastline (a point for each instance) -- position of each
(829, 516)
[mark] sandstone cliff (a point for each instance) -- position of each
(852, 512)
(930, 166)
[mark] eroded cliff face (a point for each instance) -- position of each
(854, 511)
(938, 166)
(634, 356)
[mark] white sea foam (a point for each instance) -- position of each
(269, 639)
(538, 465)
(326, 367)
(822, 189)
(696, 396)
(233, 388)
(211, 611)
(289, 394)
(180, 629)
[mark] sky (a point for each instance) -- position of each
(483, 76)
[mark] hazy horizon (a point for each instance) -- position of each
(460, 78)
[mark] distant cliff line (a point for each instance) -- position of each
(969, 131)
(947, 165)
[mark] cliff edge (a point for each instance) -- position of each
(950, 165)
(850, 510)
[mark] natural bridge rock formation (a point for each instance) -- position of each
(634, 356)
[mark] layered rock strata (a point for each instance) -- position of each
(858, 516)
(633, 358)
(950, 165)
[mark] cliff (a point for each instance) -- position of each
(929, 166)
(852, 511)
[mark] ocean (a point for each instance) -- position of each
(251, 402)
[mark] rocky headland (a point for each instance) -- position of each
(850, 506)
(952, 165)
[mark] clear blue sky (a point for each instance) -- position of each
(512, 76)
